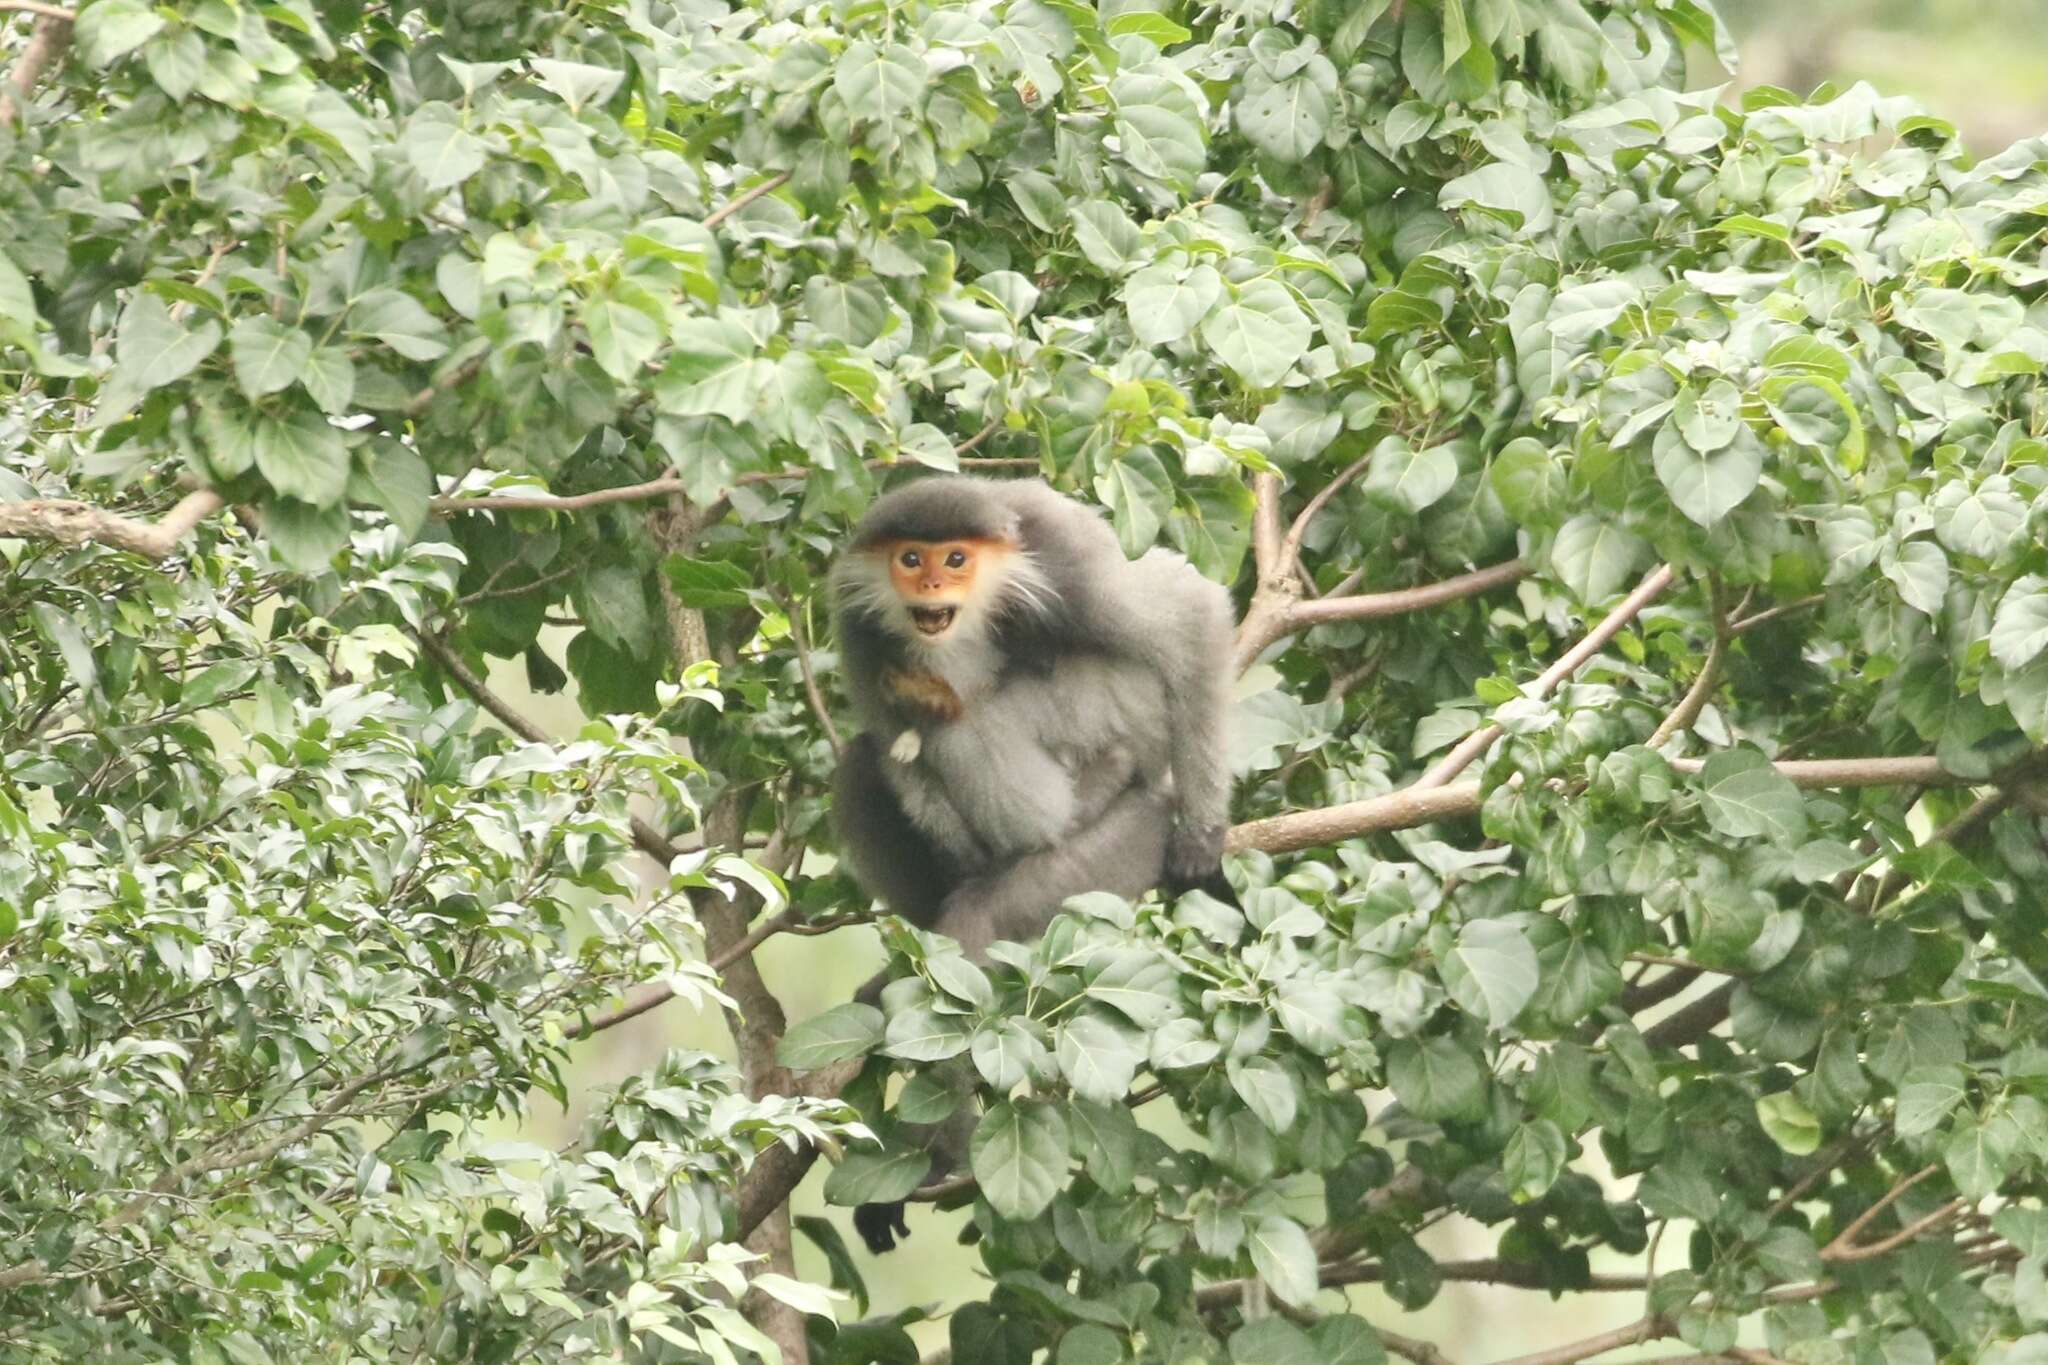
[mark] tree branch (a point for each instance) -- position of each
(671, 484)
(1402, 809)
(1844, 1245)
(1477, 743)
(1635, 1333)
(67, 522)
(52, 35)
(1266, 529)
(799, 636)
(1695, 701)
(37, 7)
(746, 197)
(1288, 555)
(1278, 613)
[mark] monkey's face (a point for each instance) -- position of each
(940, 581)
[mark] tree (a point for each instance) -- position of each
(1633, 502)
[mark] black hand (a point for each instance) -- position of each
(879, 1225)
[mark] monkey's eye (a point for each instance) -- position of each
(956, 559)
(911, 559)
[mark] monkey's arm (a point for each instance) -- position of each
(1159, 612)
(891, 859)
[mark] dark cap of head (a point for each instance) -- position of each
(942, 508)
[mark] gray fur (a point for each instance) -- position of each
(1083, 676)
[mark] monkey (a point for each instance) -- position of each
(1041, 717)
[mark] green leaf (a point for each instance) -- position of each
(921, 1034)
(1708, 420)
(1106, 235)
(1140, 985)
(876, 1177)
(707, 584)
(1098, 1057)
(1139, 495)
(1492, 971)
(623, 337)
(109, 29)
(1165, 303)
(301, 456)
(439, 149)
(1019, 1157)
(1152, 27)
(1259, 334)
(1435, 1078)
(1268, 1090)
(2019, 631)
(1707, 487)
(1790, 1123)
(268, 355)
(1272, 1341)
(878, 84)
(1534, 1159)
(1594, 558)
(1515, 194)
(1287, 119)
(1920, 572)
(1411, 479)
(1284, 1259)
(1926, 1097)
(849, 1030)
(151, 350)
(1745, 797)
(330, 377)
(396, 479)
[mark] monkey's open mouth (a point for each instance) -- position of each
(932, 620)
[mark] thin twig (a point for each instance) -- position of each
(799, 635)
(1846, 1238)
(746, 197)
(1688, 710)
(1477, 743)
(1749, 622)
(1289, 553)
(37, 7)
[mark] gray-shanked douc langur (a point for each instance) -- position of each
(1041, 717)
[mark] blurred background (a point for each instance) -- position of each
(1983, 65)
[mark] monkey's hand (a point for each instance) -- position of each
(1194, 858)
(879, 1225)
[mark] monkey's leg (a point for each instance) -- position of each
(1123, 852)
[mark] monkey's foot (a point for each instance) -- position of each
(879, 1225)
(907, 747)
(1194, 857)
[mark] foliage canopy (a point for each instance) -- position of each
(489, 318)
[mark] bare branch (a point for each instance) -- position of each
(1266, 528)
(1403, 809)
(1842, 773)
(52, 35)
(67, 522)
(746, 197)
(1277, 613)
(1477, 743)
(1410, 1348)
(1695, 701)
(1401, 601)
(1687, 1026)
(667, 485)
(1845, 1241)
(798, 634)
(1510, 1274)
(1772, 614)
(1290, 547)
(1635, 1333)
(37, 7)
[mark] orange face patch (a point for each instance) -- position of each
(935, 578)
